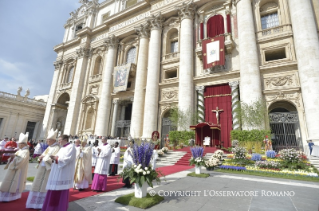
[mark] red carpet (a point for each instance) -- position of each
(112, 184)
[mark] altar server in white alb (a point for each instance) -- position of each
(102, 167)
(16, 176)
(38, 192)
(83, 167)
(115, 159)
(61, 177)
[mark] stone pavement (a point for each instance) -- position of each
(253, 193)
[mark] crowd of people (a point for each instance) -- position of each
(61, 166)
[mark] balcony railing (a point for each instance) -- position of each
(95, 78)
(21, 99)
(274, 31)
(66, 85)
(123, 123)
(171, 56)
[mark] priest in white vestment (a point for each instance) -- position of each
(3, 143)
(115, 159)
(16, 176)
(83, 167)
(61, 177)
(128, 162)
(38, 192)
(102, 167)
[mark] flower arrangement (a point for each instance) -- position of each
(160, 153)
(197, 156)
(165, 149)
(271, 154)
(237, 168)
(211, 163)
(239, 152)
(218, 154)
(256, 157)
(290, 155)
(268, 164)
(141, 171)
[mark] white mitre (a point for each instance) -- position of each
(52, 134)
(23, 138)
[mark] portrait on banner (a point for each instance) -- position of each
(121, 75)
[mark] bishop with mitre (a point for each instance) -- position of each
(38, 192)
(16, 176)
(61, 177)
(83, 166)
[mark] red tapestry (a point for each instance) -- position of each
(201, 27)
(228, 24)
(215, 26)
(221, 61)
(219, 96)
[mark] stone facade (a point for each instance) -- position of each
(277, 63)
(20, 114)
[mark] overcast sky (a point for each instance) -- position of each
(29, 31)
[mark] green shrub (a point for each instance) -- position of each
(249, 135)
(179, 137)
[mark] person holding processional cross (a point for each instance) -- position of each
(38, 192)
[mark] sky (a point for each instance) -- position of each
(29, 31)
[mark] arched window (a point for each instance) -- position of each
(215, 26)
(130, 56)
(70, 75)
(172, 41)
(97, 66)
(269, 15)
(89, 118)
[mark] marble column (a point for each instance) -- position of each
(48, 109)
(307, 51)
(235, 101)
(76, 92)
(116, 105)
(140, 82)
(250, 82)
(200, 103)
(152, 87)
(103, 114)
(186, 59)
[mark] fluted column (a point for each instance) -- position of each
(186, 60)
(116, 105)
(235, 101)
(76, 92)
(250, 83)
(152, 88)
(200, 103)
(307, 51)
(103, 114)
(140, 82)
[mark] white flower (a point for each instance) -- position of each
(135, 166)
(148, 172)
(146, 168)
(140, 165)
(144, 173)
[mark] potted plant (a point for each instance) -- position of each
(211, 164)
(141, 173)
(197, 158)
(165, 149)
(160, 153)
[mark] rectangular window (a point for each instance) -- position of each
(130, 3)
(174, 46)
(269, 21)
(105, 16)
(275, 54)
(1, 120)
(170, 74)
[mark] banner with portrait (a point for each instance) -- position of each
(120, 79)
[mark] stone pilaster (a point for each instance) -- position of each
(76, 92)
(140, 82)
(103, 114)
(48, 109)
(307, 51)
(186, 62)
(115, 108)
(235, 102)
(250, 83)
(200, 103)
(152, 88)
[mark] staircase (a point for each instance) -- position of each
(208, 152)
(314, 161)
(170, 158)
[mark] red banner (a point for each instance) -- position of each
(221, 60)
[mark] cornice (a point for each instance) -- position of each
(59, 47)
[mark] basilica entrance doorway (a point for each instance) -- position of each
(284, 125)
(167, 126)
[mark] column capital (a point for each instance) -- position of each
(156, 22)
(143, 31)
(111, 42)
(82, 52)
(186, 11)
(233, 84)
(58, 64)
(116, 101)
(200, 88)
